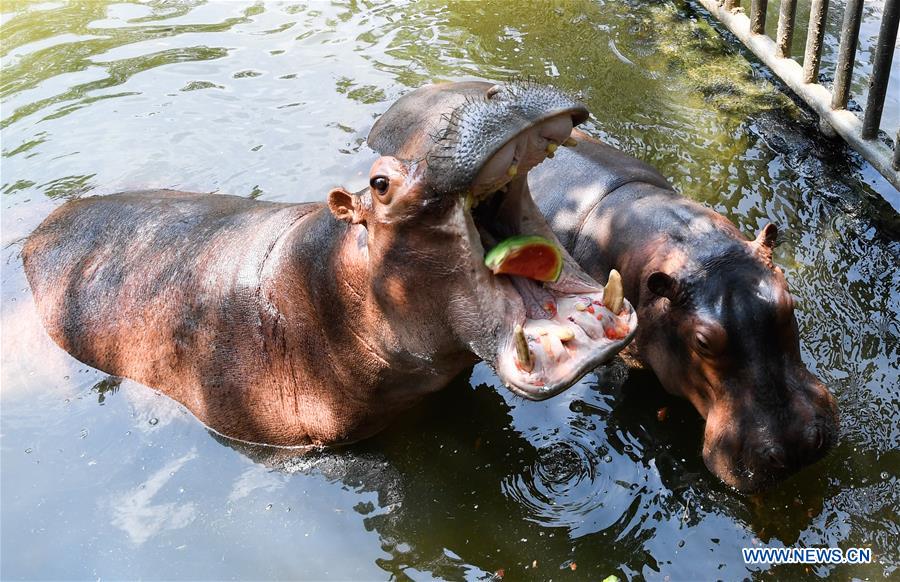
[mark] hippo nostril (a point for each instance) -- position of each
(815, 437)
(774, 457)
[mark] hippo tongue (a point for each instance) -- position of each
(539, 303)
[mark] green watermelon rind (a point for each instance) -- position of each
(497, 255)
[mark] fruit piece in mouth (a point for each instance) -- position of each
(528, 256)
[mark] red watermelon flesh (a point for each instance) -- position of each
(528, 256)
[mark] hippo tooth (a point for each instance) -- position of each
(551, 148)
(565, 334)
(613, 294)
(512, 171)
(523, 354)
(570, 142)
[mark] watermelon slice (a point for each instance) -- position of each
(528, 256)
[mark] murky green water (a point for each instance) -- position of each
(274, 101)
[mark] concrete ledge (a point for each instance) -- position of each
(845, 124)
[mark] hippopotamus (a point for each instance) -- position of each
(717, 319)
(315, 323)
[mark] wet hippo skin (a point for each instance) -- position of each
(316, 323)
(717, 321)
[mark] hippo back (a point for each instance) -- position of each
(568, 198)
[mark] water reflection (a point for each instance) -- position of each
(599, 468)
(274, 101)
(135, 512)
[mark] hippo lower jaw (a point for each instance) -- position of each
(551, 333)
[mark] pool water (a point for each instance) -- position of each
(107, 479)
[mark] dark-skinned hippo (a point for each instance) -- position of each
(315, 323)
(717, 319)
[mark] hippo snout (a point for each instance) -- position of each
(774, 456)
(751, 445)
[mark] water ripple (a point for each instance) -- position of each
(562, 486)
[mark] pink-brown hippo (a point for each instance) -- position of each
(315, 323)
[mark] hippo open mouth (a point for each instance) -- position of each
(557, 331)
(475, 142)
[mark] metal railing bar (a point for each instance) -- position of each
(818, 10)
(881, 71)
(845, 123)
(843, 72)
(896, 162)
(785, 35)
(758, 16)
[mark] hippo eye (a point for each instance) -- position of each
(702, 342)
(380, 184)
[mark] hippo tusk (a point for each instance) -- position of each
(523, 354)
(570, 142)
(468, 201)
(512, 171)
(551, 149)
(613, 295)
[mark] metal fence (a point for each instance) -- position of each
(861, 134)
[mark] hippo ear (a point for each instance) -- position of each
(345, 206)
(766, 241)
(768, 236)
(663, 285)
